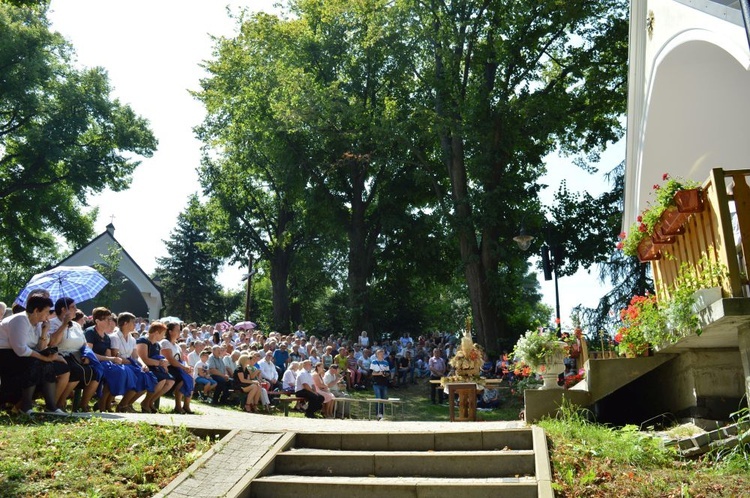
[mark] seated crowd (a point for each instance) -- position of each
(53, 349)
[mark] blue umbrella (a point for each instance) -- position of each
(76, 282)
(170, 319)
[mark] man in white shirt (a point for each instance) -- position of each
(227, 359)
(334, 381)
(268, 370)
(304, 389)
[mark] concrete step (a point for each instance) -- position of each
(514, 439)
(458, 464)
(288, 486)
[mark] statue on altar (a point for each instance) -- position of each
(467, 362)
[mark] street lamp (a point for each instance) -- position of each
(552, 259)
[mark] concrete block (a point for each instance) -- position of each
(326, 463)
(413, 441)
(514, 439)
(458, 441)
(454, 464)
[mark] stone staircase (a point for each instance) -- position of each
(498, 463)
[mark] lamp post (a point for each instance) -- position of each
(552, 259)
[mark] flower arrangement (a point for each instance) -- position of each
(640, 319)
(679, 310)
(647, 221)
(536, 347)
(646, 321)
(571, 380)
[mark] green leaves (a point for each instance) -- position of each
(62, 138)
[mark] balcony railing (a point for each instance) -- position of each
(711, 233)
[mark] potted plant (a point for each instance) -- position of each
(543, 352)
(658, 224)
(695, 288)
(641, 321)
(678, 199)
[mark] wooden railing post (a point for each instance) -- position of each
(724, 236)
(741, 194)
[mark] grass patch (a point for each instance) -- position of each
(50, 456)
(592, 460)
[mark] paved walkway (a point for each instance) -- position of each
(227, 469)
(226, 419)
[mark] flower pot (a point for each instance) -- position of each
(671, 221)
(689, 200)
(553, 367)
(705, 298)
(647, 251)
(661, 238)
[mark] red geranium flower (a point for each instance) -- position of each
(665, 177)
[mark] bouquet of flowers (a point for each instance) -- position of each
(641, 319)
(536, 347)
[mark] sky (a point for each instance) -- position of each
(152, 50)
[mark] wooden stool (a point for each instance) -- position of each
(467, 401)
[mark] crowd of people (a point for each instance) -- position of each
(54, 349)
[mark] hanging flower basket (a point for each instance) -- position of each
(671, 221)
(661, 238)
(648, 251)
(689, 200)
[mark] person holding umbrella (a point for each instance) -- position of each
(67, 335)
(24, 363)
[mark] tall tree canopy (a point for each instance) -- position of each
(509, 82)
(375, 121)
(62, 138)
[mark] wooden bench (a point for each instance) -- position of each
(391, 402)
(285, 401)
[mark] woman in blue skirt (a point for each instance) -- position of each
(149, 352)
(118, 380)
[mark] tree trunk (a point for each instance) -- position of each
(280, 290)
(484, 312)
(362, 236)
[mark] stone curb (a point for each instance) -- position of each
(542, 465)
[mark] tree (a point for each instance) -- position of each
(253, 168)
(110, 270)
(62, 138)
(507, 83)
(188, 274)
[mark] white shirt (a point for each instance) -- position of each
(200, 366)
(229, 364)
(193, 358)
(303, 377)
(175, 348)
(73, 338)
(289, 381)
(123, 345)
(17, 333)
(328, 378)
(268, 370)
